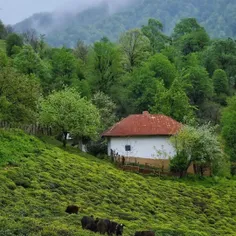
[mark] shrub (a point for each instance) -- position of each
(179, 163)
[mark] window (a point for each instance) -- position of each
(127, 148)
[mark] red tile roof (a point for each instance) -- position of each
(144, 125)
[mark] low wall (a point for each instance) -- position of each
(159, 163)
(162, 164)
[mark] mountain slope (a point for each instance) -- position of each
(39, 180)
(218, 16)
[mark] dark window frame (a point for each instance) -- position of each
(127, 148)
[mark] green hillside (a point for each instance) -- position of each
(39, 180)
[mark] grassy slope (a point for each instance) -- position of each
(39, 180)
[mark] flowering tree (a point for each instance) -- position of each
(197, 145)
(67, 111)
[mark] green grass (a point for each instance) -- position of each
(2, 45)
(38, 180)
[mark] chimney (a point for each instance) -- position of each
(146, 113)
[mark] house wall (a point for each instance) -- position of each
(142, 147)
(109, 147)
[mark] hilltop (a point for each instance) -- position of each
(38, 181)
(93, 23)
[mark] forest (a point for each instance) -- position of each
(90, 25)
(84, 90)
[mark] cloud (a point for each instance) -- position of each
(80, 5)
(13, 11)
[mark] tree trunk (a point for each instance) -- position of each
(195, 168)
(210, 169)
(202, 171)
(182, 173)
(64, 138)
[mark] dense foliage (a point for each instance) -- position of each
(187, 76)
(38, 182)
(68, 112)
(202, 148)
(19, 95)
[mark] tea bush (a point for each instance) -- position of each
(38, 181)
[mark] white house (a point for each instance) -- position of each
(143, 136)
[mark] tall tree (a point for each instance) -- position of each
(67, 112)
(104, 66)
(136, 48)
(221, 55)
(64, 67)
(12, 41)
(173, 102)
(154, 32)
(201, 85)
(138, 90)
(30, 37)
(162, 68)
(193, 42)
(184, 27)
(29, 62)
(221, 86)
(189, 36)
(81, 51)
(19, 95)
(107, 109)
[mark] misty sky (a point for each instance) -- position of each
(13, 11)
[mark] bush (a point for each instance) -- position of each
(179, 163)
(97, 148)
